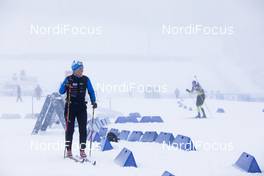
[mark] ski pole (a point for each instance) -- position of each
(68, 108)
(67, 115)
(192, 98)
(91, 139)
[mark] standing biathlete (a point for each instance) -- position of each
(75, 86)
(198, 90)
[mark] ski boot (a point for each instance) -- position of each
(204, 116)
(199, 115)
(68, 153)
(82, 153)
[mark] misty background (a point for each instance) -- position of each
(131, 45)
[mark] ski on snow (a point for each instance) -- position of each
(82, 160)
(74, 159)
(87, 160)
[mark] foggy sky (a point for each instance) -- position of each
(135, 28)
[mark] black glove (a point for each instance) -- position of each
(188, 90)
(68, 86)
(94, 105)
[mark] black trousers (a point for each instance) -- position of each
(200, 100)
(79, 112)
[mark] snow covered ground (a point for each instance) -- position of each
(133, 45)
(239, 129)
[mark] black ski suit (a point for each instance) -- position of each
(76, 87)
